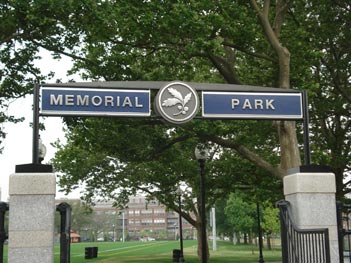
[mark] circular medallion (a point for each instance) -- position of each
(177, 102)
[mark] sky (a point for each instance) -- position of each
(18, 142)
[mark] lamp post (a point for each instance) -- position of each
(201, 154)
(86, 234)
(123, 227)
(181, 256)
(214, 234)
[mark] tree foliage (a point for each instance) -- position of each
(26, 28)
(241, 214)
(330, 87)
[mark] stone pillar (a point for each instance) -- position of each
(31, 215)
(311, 193)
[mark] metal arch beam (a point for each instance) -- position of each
(155, 85)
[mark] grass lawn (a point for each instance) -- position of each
(161, 252)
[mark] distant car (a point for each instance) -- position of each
(100, 239)
(146, 239)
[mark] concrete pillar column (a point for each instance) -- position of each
(311, 193)
(31, 215)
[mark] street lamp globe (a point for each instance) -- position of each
(179, 191)
(42, 151)
(201, 152)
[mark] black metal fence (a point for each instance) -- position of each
(302, 245)
(344, 231)
(65, 232)
(3, 236)
(65, 213)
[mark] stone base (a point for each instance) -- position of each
(313, 204)
(31, 218)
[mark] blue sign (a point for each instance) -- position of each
(252, 105)
(94, 102)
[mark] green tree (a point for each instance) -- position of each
(241, 213)
(26, 28)
(242, 216)
(270, 222)
(330, 87)
(223, 225)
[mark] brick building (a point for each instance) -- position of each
(141, 220)
(152, 219)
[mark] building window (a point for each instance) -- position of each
(146, 222)
(159, 212)
(146, 212)
(159, 221)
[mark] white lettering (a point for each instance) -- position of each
(55, 100)
(247, 104)
(96, 101)
(137, 104)
(269, 104)
(69, 100)
(109, 101)
(127, 102)
(235, 102)
(83, 100)
(258, 104)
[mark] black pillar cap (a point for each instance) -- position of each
(313, 168)
(34, 168)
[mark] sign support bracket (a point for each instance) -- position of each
(35, 149)
(306, 131)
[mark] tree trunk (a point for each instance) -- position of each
(250, 238)
(290, 156)
(238, 240)
(269, 242)
(199, 243)
(289, 151)
(245, 239)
